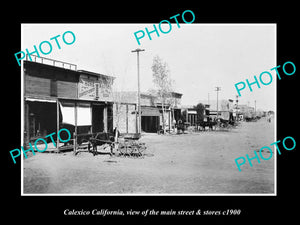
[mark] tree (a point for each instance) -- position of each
(163, 83)
(200, 112)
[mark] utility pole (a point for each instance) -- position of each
(237, 106)
(208, 98)
(138, 50)
(217, 90)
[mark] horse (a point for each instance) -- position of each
(209, 124)
(100, 138)
(180, 126)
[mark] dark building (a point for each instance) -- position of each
(58, 97)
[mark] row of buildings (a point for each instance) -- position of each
(57, 95)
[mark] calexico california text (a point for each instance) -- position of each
(98, 212)
(150, 212)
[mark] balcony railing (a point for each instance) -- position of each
(52, 62)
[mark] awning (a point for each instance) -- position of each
(84, 117)
(68, 112)
(150, 111)
(40, 100)
(192, 112)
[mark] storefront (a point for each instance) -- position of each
(40, 118)
(150, 119)
(56, 98)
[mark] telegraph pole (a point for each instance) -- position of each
(217, 90)
(138, 50)
(208, 98)
(237, 106)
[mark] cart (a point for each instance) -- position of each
(130, 145)
(127, 145)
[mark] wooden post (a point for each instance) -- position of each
(57, 125)
(136, 120)
(91, 113)
(187, 115)
(127, 118)
(105, 118)
(27, 130)
(75, 133)
(169, 118)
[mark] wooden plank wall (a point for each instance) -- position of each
(38, 81)
(126, 118)
(66, 89)
(37, 86)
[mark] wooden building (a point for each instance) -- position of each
(57, 97)
(151, 111)
(189, 115)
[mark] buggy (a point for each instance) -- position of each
(123, 145)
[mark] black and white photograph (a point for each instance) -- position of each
(166, 118)
(146, 113)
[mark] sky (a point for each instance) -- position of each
(200, 56)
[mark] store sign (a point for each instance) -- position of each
(86, 89)
(94, 89)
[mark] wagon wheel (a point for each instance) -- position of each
(123, 148)
(129, 149)
(135, 150)
(142, 148)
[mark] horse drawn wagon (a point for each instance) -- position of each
(120, 145)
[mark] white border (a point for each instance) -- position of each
(22, 115)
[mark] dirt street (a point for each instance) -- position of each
(195, 163)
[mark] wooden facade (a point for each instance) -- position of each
(56, 98)
(151, 111)
(49, 81)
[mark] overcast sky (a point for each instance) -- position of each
(200, 56)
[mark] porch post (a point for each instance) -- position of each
(75, 133)
(57, 125)
(105, 118)
(27, 131)
(187, 115)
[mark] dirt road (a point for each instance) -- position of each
(196, 163)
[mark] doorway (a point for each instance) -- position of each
(97, 118)
(150, 124)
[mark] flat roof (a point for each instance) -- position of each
(51, 62)
(55, 64)
(95, 74)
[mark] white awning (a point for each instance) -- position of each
(84, 117)
(192, 112)
(68, 112)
